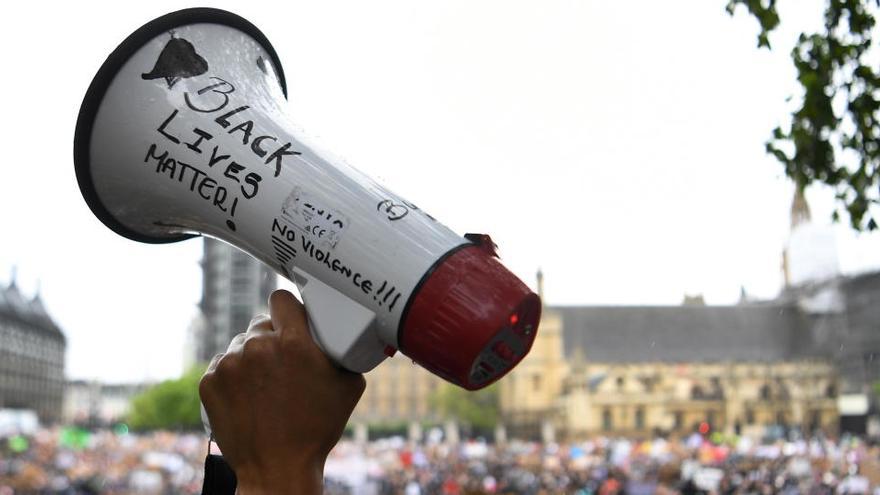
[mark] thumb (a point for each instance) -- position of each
(288, 314)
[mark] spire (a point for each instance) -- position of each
(540, 277)
(800, 209)
(13, 274)
(37, 300)
(13, 296)
(37, 306)
(743, 295)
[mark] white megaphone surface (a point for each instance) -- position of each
(184, 132)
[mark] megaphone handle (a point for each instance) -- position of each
(343, 329)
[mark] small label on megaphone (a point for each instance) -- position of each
(312, 217)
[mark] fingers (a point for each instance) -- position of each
(223, 366)
(236, 343)
(211, 386)
(260, 325)
(261, 321)
(213, 364)
(287, 313)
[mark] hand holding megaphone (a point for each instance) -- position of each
(277, 404)
(183, 132)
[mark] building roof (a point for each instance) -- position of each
(631, 334)
(31, 314)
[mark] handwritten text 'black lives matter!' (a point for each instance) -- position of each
(238, 180)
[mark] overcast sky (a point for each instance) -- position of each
(617, 145)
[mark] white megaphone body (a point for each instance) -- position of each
(183, 132)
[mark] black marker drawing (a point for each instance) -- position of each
(391, 306)
(283, 246)
(394, 211)
(177, 61)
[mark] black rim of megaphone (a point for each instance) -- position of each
(95, 95)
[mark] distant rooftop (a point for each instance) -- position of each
(688, 333)
(29, 312)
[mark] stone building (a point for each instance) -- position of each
(32, 349)
(634, 370)
(235, 288)
(93, 403)
(637, 370)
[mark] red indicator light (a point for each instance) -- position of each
(514, 318)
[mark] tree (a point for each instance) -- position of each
(172, 404)
(834, 135)
(475, 410)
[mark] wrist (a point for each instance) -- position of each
(306, 478)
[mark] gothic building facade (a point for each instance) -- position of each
(636, 370)
(32, 349)
(745, 368)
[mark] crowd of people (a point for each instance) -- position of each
(66, 461)
(607, 466)
(71, 461)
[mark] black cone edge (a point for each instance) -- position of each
(95, 94)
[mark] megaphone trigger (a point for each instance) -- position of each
(341, 327)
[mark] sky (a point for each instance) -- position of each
(618, 146)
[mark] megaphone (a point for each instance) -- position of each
(183, 132)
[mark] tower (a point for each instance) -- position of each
(235, 288)
(529, 394)
(810, 255)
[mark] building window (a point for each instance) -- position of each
(679, 420)
(697, 392)
(607, 420)
(710, 418)
(640, 418)
(831, 391)
(620, 383)
(815, 420)
(536, 382)
(765, 392)
(750, 416)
